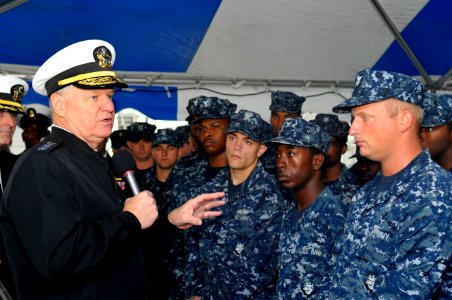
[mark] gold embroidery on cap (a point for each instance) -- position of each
(17, 92)
(86, 76)
(98, 81)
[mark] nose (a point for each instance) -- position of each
(353, 128)
(10, 119)
(238, 145)
(107, 104)
(281, 162)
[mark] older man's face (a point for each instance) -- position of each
(7, 127)
(89, 114)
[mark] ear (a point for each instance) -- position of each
(406, 120)
(129, 144)
(262, 149)
(317, 161)
(57, 103)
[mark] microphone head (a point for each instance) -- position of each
(123, 161)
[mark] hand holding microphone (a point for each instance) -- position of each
(142, 204)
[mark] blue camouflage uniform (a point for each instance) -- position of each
(189, 175)
(346, 185)
(235, 257)
(396, 240)
(307, 236)
(305, 247)
(438, 112)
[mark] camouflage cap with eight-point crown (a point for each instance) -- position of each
(437, 110)
(166, 136)
(183, 133)
(301, 133)
(286, 102)
(193, 107)
(12, 90)
(215, 108)
(250, 124)
(140, 131)
(86, 65)
(372, 86)
(332, 125)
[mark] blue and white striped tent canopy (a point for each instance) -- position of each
(164, 47)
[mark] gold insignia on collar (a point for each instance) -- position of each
(103, 56)
(17, 92)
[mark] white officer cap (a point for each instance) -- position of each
(12, 90)
(87, 65)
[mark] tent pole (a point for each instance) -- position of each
(442, 80)
(402, 43)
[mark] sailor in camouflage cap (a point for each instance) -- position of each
(436, 128)
(342, 182)
(234, 257)
(396, 239)
(139, 141)
(193, 172)
(315, 217)
(284, 105)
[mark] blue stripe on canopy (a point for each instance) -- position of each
(434, 51)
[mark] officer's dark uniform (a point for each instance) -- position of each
(72, 202)
(61, 216)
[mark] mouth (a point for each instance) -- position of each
(283, 177)
(359, 142)
(235, 156)
(208, 143)
(107, 121)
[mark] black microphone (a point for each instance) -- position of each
(125, 165)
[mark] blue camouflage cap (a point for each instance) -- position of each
(373, 86)
(301, 133)
(166, 136)
(193, 107)
(250, 124)
(286, 101)
(215, 108)
(183, 133)
(140, 131)
(437, 110)
(332, 125)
